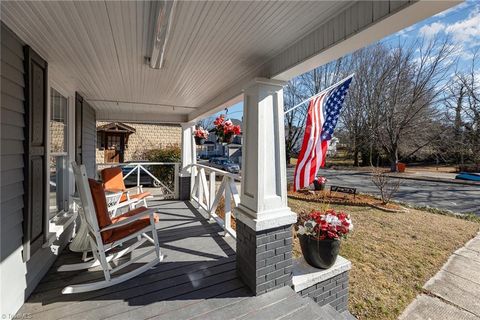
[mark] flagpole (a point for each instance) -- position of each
(318, 94)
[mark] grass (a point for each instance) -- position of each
(394, 254)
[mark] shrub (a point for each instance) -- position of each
(167, 154)
(387, 186)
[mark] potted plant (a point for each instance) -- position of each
(320, 183)
(200, 136)
(225, 129)
(320, 233)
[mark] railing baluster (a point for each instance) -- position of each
(175, 181)
(212, 192)
(227, 206)
(200, 187)
(138, 178)
(204, 190)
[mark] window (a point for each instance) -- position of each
(58, 153)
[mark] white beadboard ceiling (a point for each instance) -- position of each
(98, 47)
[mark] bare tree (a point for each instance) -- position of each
(471, 108)
(415, 85)
(387, 186)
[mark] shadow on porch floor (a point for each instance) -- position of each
(197, 275)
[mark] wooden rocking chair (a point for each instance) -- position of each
(106, 233)
(112, 179)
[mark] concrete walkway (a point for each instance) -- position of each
(454, 292)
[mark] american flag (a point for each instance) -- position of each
(322, 117)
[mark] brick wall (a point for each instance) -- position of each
(333, 291)
(264, 258)
(146, 137)
(57, 136)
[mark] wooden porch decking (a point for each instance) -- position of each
(199, 264)
(196, 280)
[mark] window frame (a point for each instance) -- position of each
(66, 154)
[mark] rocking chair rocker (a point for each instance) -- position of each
(107, 233)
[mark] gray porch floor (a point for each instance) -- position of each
(199, 264)
(197, 279)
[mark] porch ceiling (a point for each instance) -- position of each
(98, 49)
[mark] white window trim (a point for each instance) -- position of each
(53, 230)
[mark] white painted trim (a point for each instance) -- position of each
(404, 17)
(267, 220)
(305, 276)
(141, 117)
(59, 83)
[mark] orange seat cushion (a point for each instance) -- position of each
(137, 196)
(113, 179)
(122, 232)
(100, 204)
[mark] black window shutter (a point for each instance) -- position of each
(36, 164)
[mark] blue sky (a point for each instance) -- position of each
(460, 23)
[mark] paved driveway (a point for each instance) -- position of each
(450, 196)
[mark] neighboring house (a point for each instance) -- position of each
(120, 141)
(332, 147)
(212, 148)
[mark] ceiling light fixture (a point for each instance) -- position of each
(164, 11)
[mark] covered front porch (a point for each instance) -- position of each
(166, 62)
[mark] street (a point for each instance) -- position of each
(455, 197)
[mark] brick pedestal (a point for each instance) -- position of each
(324, 286)
(333, 291)
(184, 188)
(264, 258)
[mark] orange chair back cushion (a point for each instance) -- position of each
(113, 179)
(100, 203)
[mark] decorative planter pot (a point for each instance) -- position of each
(318, 185)
(226, 139)
(199, 141)
(320, 254)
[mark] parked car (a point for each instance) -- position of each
(145, 178)
(225, 164)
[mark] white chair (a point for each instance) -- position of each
(106, 233)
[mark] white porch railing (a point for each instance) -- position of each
(206, 194)
(167, 190)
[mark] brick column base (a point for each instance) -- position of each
(184, 188)
(264, 258)
(333, 291)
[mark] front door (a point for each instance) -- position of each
(114, 148)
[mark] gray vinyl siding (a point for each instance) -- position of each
(89, 141)
(18, 278)
(12, 138)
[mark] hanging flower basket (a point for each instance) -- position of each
(320, 235)
(225, 129)
(200, 136)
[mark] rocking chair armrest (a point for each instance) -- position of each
(129, 220)
(122, 204)
(135, 189)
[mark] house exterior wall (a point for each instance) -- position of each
(146, 137)
(17, 278)
(89, 139)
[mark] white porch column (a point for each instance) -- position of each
(264, 238)
(189, 156)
